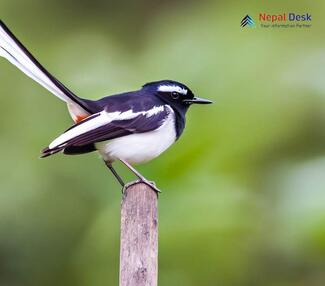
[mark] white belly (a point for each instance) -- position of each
(141, 147)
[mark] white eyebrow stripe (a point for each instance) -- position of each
(171, 88)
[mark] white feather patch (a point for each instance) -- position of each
(103, 118)
(172, 88)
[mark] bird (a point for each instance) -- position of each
(131, 127)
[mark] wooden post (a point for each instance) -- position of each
(139, 236)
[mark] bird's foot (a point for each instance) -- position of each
(151, 184)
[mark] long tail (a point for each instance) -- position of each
(14, 51)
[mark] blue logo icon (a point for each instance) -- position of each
(247, 21)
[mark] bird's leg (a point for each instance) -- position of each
(116, 175)
(141, 178)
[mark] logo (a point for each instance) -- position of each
(247, 20)
(278, 20)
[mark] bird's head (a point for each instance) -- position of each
(174, 93)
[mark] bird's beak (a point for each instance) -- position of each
(197, 100)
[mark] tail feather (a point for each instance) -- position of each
(68, 150)
(14, 51)
(48, 152)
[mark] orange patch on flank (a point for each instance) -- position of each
(80, 118)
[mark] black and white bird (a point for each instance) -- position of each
(132, 127)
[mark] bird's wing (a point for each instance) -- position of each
(105, 126)
(14, 51)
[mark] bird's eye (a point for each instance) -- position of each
(175, 95)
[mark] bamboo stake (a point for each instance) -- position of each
(139, 236)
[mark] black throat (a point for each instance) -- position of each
(180, 111)
(179, 122)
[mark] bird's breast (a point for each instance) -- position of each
(140, 147)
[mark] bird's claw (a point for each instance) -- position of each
(151, 184)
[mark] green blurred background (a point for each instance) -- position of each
(243, 198)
